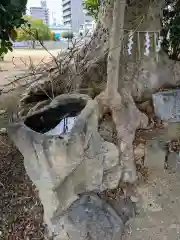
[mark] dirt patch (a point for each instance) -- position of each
(20, 207)
(21, 210)
(20, 61)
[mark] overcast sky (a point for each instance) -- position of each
(53, 5)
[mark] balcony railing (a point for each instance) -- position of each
(66, 7)
(65, 2)
(66, 13)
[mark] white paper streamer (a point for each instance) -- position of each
(168, 35)
(147, 44)
(158, 46)
(170, 49)
(130, 43)
(168, 38)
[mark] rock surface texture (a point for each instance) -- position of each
(62, 167)
(90, 218)
(167, 105)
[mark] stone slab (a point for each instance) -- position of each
(91, 218)
(167, 105)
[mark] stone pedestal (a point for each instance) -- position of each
(167, 105)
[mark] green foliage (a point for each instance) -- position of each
(92, 7)
(68, 35)
(33, 29)
(10, 18)
(171, 27)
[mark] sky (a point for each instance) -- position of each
(53, 5)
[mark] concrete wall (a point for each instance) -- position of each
(77, 14)
(56, 44)
(48, 44)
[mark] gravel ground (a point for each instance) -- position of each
(21, 211)
(21, 215)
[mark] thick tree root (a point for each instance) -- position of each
(127, 119)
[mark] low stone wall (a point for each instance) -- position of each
(48, 44)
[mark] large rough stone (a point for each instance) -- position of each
(90, 218)
(167, 105)
(64, 166)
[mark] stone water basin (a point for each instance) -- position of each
(56, 119)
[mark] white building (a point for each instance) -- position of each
(74, 14)
(40, 12)
(60, 29)
(87, 29)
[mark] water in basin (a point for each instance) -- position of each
(63, 127)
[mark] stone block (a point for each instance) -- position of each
(91, 218)
(167, 105)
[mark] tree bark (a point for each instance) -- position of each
(115, 46)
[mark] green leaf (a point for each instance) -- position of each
(11, 17)
(92, 7)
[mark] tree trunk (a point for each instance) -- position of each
(121, 104)
(129, 78)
